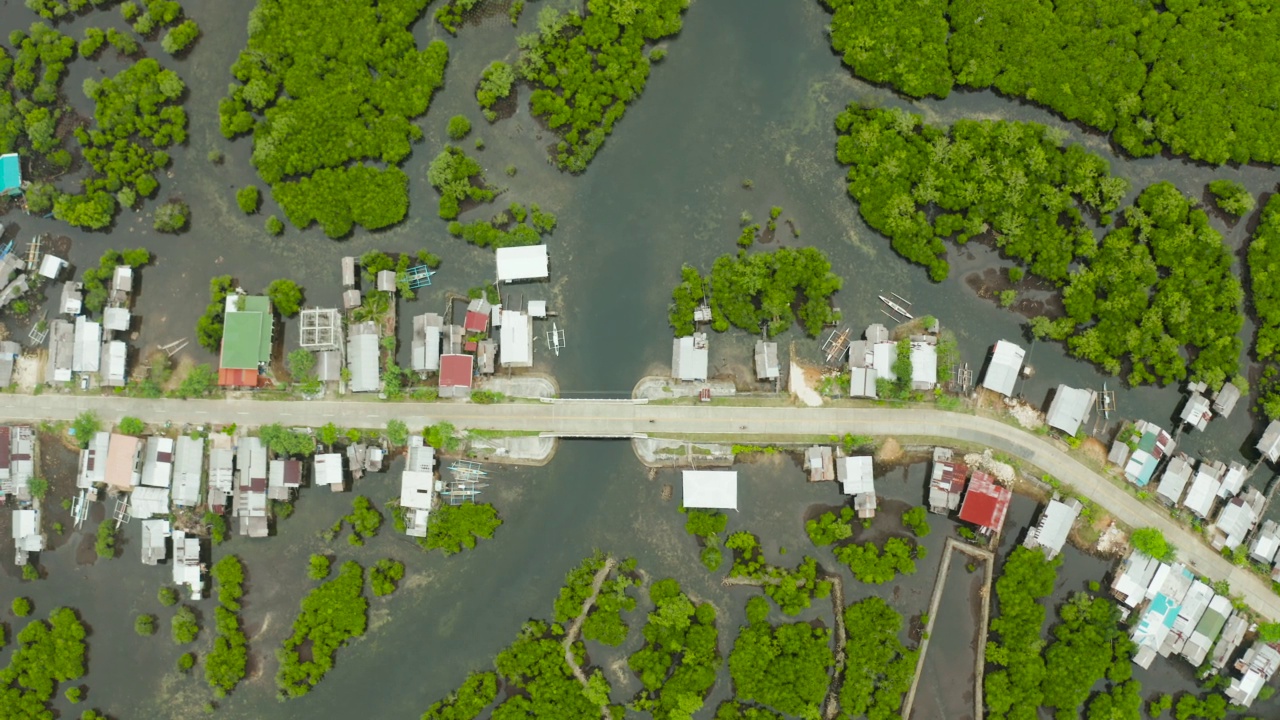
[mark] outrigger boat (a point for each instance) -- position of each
(1106, 402)
(896, 308)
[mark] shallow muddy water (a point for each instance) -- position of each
(748, 91)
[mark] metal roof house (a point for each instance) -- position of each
(418, 487)
(386, 281)
(924, 363)
(819, 463)
(1050, 533)
(1153, 444)
(862, 382)
(1256, 668)
(1269, 443)
(1174, 480)
(69, 301)
(1236, 520)
(155, 533)
(249, 502)
(1200, 642)
(246, 340)
(283, 478)
(1150, 632)
(713, 489)
(327, 471)
(1196, 413)
(362, 358)
(1069, 409)
(985, 503)
(10, 175)
(157, 463)
(9, 352)
(348, 272)
(87, 352)
(351, 299)
(113, 368)
(17, 463)
(1204, 489)
(1003, 367)
(456, 375)
(477, 318)
(188, 465)
(26, 534)
(116, 319)
(221, 472)
(1266, 543)
(1225, 400)
(528, 262)
(946, 482)
(61, 351)
(857, 478)
(1194, 604)
(767, 360)
(689, 357)
(1229, 641)
(515, 339)
(187, 569)
(124, 462)
(145, 502)
(93, 461)
(425, 349)
(121, 285)
(1233, 480)
(51, 266)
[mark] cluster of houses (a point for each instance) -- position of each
(976, 495)
(80, 347)
(872, 358)
(488, 337)
(17, 468)
(1208, 490)
(1201, 405)
(153, 479)
(1181, 614)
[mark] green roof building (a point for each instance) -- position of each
(246, 340)
(10, 175)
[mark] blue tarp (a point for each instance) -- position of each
(10, 175)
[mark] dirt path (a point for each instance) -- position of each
(572, 635)
(837, 606)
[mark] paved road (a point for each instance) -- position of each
(587, 418)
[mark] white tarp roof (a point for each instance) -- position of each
(50, 266)
(522, 263)
(417, 488)
(1002, 372)
(716, 489)
(1069, 408)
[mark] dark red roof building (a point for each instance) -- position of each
(985, 503)
(456, 373)
(476, 322)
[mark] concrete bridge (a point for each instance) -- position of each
(629, 418)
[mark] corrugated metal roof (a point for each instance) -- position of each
(516, 340)
(362, 357)
(1070, 408)
(1003, 369)
(87, 353)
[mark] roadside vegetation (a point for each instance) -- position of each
(330, 147)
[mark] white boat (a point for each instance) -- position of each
(896, 308)
(1106, 403)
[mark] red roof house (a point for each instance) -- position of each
(985, 503)
(456, 372)
(476, 322)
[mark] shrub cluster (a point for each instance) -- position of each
(456, 527)
(332, 614)
(784, 668)
(225, 664)
(679, 660)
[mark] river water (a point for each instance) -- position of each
(748, 91)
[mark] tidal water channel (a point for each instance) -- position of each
(748, 91)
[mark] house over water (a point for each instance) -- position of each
(857, 478)
(689, 357)
(985, 503)
(1050, 533)
(1003, 367)
(711, 489)
(1069, 409)
(946, 482)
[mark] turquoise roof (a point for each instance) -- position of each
(10, 175)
